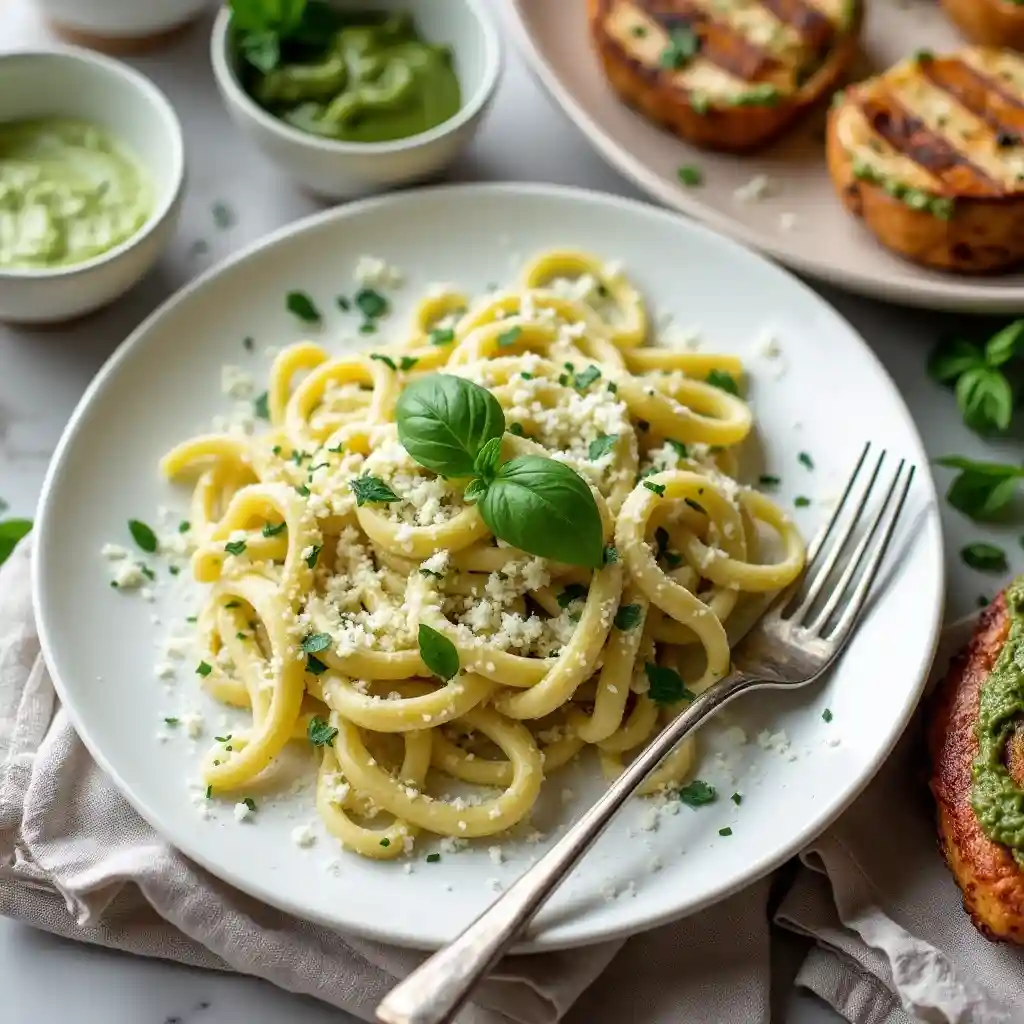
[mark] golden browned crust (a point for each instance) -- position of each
(732, 129)
(990, 22)
(983, 236)
(991, 880)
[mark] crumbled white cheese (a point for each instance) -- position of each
(236, 383)
(193, 724)
(303, 836)
(114, 552)
(755, 189)
(788, 221)
(494, 884)
(242, 812)
(373, 272)
(496, 854)
(129, 576)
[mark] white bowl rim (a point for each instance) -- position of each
(494, 61)
(138, 81)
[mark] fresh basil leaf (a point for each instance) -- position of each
(601, 446)
(952, 357)
(12, 531)
(261, 406)
(301, 305)
(235, 547)
(697, 793)
(610, 554)
(314, 555)
(628, 616)
(1005, 344)
(143, 535)
(546, 509)
(371, 489)
(371, 303)
(283, 16)
(678, 447)
(262, 50)
(270, 530)
(666, 685)
(320, 732)
(444, 421)
(386, 360)
(724, 381)
(318, 25)
(406, 363)
(985, 399)
(984, 557)
(442, 336)
(509, 337)
(573, 592)
(475, 491)
(684, 44)
(486, 461)
(438, 653)
(314, 665)
(982, 488)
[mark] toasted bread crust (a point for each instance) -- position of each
(989, 22)
(732, 129)
(991, 880)
(983, 236)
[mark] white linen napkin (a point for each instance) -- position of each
(77, 860)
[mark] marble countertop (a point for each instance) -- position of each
(44, 372)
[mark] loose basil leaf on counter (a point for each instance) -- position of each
(546, 509)
(985, 398)
(438, 653)
(143, 535)
(984, 557)
(444, 421)
(12, 531)
(951, 358)
(1005, 344)
(982, 488)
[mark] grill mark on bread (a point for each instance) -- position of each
(981, 95)
(814, 28)
(719, 43)
(909, 135)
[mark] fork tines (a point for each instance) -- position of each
(837, 579)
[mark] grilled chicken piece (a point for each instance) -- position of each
(991, 879)
(724, 74)
(930, 155)
(989, 22)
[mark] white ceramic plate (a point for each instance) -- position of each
(164, 383)
(825, 241)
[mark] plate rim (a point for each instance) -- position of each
(955, 293)
(543, 942)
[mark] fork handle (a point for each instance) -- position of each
(435, 991)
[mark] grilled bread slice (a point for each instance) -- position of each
(991, 879)
(989, 22)
(724, 74)
(931, 155)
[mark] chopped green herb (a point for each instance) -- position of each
(248, 344)
(173, 570)
(223, 739)
(695, 505)
(678, 447)
(250, 803)
(659, 489)
(442, 336)
(601, 446)
(628, 616)
(301, 305)
(302, 490)
(386, 360)
(768, 481)
(697, 793)
(367, 327)
(261, 406)
(240, 636)
(428, 574)
(610, 555)
(613, 387)
(801, 501)
(147, 572)
(315, 665)
(209, 792)
(184, 526)
(984, 557)
(371, 303)
(725, 831)
(235, 547)
(586, 377)
(204, 669)
(737, 799)
(406, 363)
(337, 450)
(233, 604)
(223, 215)
(826, 715)
(385, 842)
(433, 858)
(805, 460)
(923, 56)
(314, 643)
(171, 721)
(320, 732)
(639, 31)
(683, 46)
(509, 337)
(192, 618)
(343, 303)
(371, 489)
(573, 592)
(690, 176)
(724, 381)
(143, 535)
(666, 685)
(270, 530)
(314, 554)
(517, 429)
(982, 601)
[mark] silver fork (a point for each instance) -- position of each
(795, 642)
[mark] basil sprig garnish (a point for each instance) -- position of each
(454, 427)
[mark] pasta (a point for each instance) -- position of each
(361, 602)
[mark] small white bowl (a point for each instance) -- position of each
(338, 170)
(119, 21)
(73, 83)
